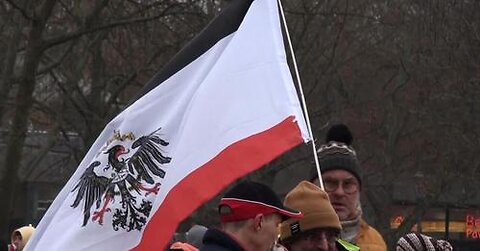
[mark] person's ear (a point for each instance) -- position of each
(257, 222)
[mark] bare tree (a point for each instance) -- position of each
(403, 75)
(72, 65)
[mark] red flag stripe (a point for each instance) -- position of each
(236, 160)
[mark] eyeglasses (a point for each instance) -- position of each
(319, 235)
(349, 186)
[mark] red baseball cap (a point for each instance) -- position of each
(248, 199)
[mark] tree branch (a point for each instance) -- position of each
(53, 41)
(56, 63)
(20, 9)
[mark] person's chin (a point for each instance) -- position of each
(341, 211)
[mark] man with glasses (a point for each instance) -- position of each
(342, 180)
(319, 228)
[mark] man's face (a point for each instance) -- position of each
(268, 233)
(315, 240)
(344, 192)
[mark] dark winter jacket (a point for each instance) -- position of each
(217, 240)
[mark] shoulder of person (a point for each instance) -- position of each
(368, 229)
(213, 247)
(369, 236)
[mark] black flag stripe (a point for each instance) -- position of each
(226, 23)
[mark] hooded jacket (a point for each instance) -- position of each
(26, 232)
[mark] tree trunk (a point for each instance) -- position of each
(23, 103)
(7, 77)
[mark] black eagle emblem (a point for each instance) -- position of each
(128, 178)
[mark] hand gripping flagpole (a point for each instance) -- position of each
(304, 104)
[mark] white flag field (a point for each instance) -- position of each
(223, 107)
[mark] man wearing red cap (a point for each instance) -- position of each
(250, 214)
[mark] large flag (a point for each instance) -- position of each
(223, 107)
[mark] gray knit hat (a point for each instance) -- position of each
(337, 153)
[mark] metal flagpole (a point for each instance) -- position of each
(304, 104)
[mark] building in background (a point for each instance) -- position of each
(448, 217)
(48, 162)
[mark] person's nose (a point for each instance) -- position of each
(322, 244)
(338, 191)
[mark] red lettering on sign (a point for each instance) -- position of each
(468, 233)
(472, 225)
(398, 220)
(469, 220)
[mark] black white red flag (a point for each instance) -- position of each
(223, 107)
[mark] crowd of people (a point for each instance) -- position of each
(253, 218)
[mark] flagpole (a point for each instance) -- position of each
(304, 104)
